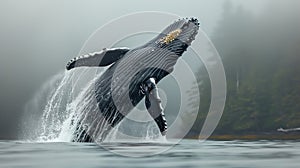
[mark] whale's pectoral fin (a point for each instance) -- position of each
(153, 105)
(103, 58)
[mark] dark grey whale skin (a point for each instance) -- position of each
(117, 90)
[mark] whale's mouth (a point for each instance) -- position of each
(178, 36)
(189, 29)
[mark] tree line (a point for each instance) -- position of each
(261, 56)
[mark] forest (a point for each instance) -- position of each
(261, 55)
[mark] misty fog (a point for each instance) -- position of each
(38, 37)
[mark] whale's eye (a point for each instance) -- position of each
(170, 37)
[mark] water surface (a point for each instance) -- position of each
(188, 153)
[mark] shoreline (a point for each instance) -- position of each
(230, 137)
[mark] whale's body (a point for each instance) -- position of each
(118, 90)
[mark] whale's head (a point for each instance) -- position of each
(157, 58)
(178, 36)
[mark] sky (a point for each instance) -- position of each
(38, 37)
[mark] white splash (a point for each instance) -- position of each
(49, 114)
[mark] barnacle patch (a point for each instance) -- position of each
(171, 36)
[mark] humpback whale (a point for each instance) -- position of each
(132, 75)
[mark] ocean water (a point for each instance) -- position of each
(48, 132)
(187, 153)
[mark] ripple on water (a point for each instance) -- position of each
(188, 153)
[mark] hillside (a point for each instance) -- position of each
(261, 56)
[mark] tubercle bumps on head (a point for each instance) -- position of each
(170, 37)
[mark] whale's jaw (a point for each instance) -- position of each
(177, 37)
